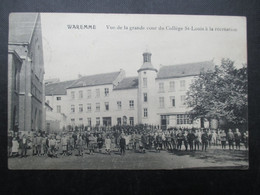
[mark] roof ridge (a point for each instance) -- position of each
(61, 82)
(99, 74)
(187, 63)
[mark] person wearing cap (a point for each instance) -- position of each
(44, 145)
(108, 144)
(197, 140)
(159, 142)
(245, 136)
(24, 145)
(230, 138)
(80, 146)
(91, 144)
(52, 144)
(38, 144)
(179, 139)
(15, 147)
(223, 139)
(134, 141)
(237, 136)
(100, 142)
(204, 140)
(64, 143)
(122, 144)
(191, 138)
(34, 145)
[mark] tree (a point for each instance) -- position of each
(220, 94)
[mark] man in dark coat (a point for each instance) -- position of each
(179, 139)
(230, 138)
(191, 138)
(100, 142)
(237, 136)
(122, 144)
(204, 140)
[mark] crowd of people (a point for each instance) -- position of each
(119, 140)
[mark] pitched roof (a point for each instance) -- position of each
(128, 83)
(93, 80)
(182, 70)
(57, 88)
(21, 26)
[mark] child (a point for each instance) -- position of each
(15, 147)
(108, 144)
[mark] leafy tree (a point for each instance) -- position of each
(220, 94)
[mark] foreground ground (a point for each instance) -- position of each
(213, 158)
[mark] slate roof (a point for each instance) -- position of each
(93, 80)
(21, 26)
(128, 83)
(147, 66)
(182, 70)
(57, 88)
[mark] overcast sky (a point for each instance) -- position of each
(69, 52)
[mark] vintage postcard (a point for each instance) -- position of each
(127, 91)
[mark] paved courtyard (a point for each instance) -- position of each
(214, 158)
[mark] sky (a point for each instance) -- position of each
(181, 39)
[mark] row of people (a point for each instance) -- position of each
(168, 140)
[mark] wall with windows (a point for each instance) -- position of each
(172, 94)
(92, 105)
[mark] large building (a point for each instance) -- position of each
(26, 72)
(154, 97)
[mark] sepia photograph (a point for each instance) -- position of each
(127, 92)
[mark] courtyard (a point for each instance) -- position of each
(213, 158)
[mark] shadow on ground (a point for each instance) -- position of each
(216, 155)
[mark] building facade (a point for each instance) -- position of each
(25, 39)
(154, 97)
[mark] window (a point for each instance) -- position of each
(119, 121)
(145, 113)
(97, 93)
(161, 87)
(80, 94)
(161, 102)
(58, 109)
(89, 107)
(131, 120)
(89, 121)
(97, 121)
(58, 98)
(145, 97)
(183, 97)
(72, 108)
(182, 84)
(81, 120)
(119, 105)
(172, 86)
(106, 106)
(131, 104)
(183, 119)
(80, 107)
(89, 93)
(106, 91)
(97, 107)
(172, 99)
(72, 120)
(144, 82)
(73, 95)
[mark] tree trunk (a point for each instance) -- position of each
(202, 122)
